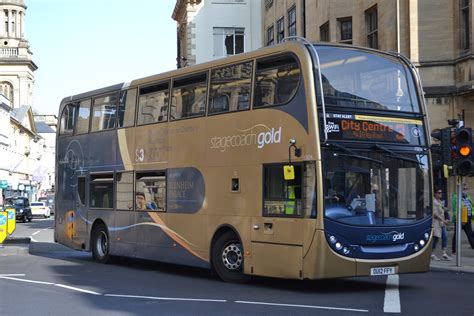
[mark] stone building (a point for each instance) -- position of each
(434, 34)
(209, 29)
(20, 144)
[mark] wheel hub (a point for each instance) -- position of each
(232, 257)
(102, 244)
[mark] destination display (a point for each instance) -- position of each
(374, 129)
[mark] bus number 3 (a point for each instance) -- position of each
(139, 155)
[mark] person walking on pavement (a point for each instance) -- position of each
(466, 206)
(439, 225)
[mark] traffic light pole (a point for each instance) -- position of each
(458, 222)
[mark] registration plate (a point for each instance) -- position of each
(382, 271)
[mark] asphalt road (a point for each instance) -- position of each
(49, 279)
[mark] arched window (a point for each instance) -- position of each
(6, 88)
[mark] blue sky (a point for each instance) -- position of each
(81, 45)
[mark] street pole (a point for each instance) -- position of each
(458, 223)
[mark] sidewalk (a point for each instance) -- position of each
(467, 256)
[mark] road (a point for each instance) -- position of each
(49, 279)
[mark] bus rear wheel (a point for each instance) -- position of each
(100, 244)
(228, 258)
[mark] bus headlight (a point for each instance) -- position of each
(427, 236)
(338, 246)
(332, 239)
(422, 242)
(345, 250)
(416, 247)
(20, 211)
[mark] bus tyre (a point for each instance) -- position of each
(100, 244)
(228, 258)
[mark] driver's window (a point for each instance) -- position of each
(282, 197)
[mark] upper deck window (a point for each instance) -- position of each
(276, 80)
(230, 88)
(361, 79)
(153, 104)
(68, 119)
(83, 117)
(104, 112)
(189, 97)
(126, 109)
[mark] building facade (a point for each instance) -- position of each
(436, 35)
(21, 146)
(212, 29)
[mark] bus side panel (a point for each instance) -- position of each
(286, 260)
(70, 212)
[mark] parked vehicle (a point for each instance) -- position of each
(49, 200)
(40, 209)
(22, 208)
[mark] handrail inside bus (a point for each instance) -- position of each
(323, 104)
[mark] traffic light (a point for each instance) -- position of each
(444, 136)
(464, 164)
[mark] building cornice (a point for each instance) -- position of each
(19, 3)
(20, 62)
(449, 62)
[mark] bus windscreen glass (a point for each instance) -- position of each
(376, 188)
(365, 80)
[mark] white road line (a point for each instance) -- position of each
(12, 274)
(392, 296)
(77, 289)
(305, 306)
(168, 298)
(37, 232)
(28, 281)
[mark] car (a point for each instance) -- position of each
(22, 208)
(40, 209)
(49, 200)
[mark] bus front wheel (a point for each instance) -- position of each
(228, 258)
(100, 244)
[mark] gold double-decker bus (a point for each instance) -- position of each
(301, 160)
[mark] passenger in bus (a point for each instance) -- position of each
(157, 203)
(140, 201)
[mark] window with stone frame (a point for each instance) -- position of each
(371, 23)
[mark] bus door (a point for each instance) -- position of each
(277, 235)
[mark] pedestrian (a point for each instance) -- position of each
(466, 206)
(439, 225)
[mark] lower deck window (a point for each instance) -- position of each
(150, 191)
(282, 197)
(101, 191)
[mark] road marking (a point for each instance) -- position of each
(28, 281)
(168, 298)
(11, 274)
(37, 232)
(77, 289)
(392, 296)
(305, 306)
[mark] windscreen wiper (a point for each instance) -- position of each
(391, 154)
(353, 154)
